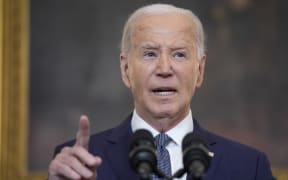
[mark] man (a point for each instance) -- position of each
(162, 62)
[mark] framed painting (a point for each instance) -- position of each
(17, 139)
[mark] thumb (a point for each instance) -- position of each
(83, 134)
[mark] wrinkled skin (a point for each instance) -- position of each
(162, 68)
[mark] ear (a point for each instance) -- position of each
(201, 70)
(124, 69)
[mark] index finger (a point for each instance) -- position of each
(83, 133)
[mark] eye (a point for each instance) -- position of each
(150, 55)
(179, 55)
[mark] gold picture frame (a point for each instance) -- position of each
(14, 81)
(14, 61)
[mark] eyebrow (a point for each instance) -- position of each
(157, 46)
(171, 48)
(150, 46)
(178, 48)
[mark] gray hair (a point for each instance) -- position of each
(155, 9)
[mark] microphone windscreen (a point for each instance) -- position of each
(142, 155)
(196, 157)
(192, 139)
(142, 137)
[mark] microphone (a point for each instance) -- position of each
(196, 158)
(142, 154)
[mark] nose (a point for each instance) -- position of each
(164, 67)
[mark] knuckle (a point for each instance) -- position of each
(64, 168)
(66, 149)
(59, 157)
(54, 166)
(77, 149)
(71, 160)
(62, 158)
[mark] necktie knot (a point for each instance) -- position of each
(162, 140)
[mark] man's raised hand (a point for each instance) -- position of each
(76, 162)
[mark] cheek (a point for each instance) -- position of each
(188, 78)
(190, 73)
(137, 76)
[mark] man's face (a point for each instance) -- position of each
(162, 68)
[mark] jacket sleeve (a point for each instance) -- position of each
(263, 168)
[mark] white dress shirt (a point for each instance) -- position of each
(176, 134)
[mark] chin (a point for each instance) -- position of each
(165, 113)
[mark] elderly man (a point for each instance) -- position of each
(162, 62)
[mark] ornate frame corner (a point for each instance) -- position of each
(14, 88)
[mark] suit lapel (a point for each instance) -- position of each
(118, 152)
(211, 142)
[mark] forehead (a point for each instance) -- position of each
(163, 28)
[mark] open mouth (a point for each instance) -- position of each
(164, 91)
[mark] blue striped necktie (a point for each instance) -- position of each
(163, 158)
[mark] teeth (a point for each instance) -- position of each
(164, 93)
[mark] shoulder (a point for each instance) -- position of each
(233, 150)
(229, 145)
(222, 144)
(239, 159)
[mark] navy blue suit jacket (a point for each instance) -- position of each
(231, 161)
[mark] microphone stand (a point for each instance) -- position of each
(177, 174)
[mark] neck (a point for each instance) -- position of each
(163, 122)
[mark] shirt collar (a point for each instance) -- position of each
(176, 134)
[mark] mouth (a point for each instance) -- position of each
(164, 91)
